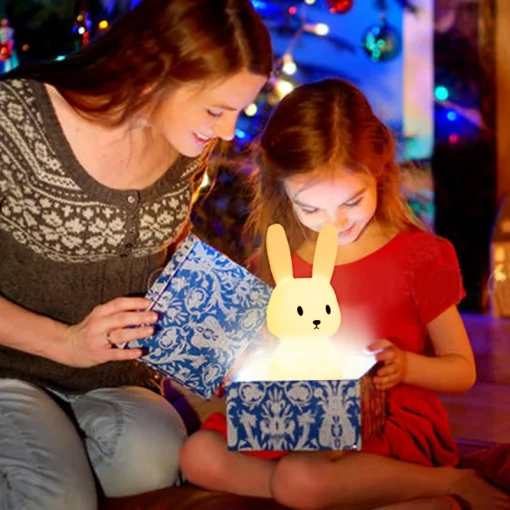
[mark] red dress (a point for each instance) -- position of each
(394, 293)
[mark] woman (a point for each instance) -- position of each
(100, 156)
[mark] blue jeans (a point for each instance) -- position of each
(128, 438)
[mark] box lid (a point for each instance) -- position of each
(210, 309)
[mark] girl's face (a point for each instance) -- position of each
(194, 115)
(349, 201)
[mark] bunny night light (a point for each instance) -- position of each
(303, 312)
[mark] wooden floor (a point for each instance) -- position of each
(483, 414)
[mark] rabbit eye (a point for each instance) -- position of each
(300, 310)
(328, 309)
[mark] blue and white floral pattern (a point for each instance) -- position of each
(297, 415)
(210, 308)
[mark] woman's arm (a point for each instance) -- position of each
(452, 369)
(88, 343)
(32, 333)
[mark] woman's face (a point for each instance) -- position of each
(195, 114)
(349, 201)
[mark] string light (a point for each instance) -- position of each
(283, 87)
(289, 66)
(441, 93)
(321, 29)
(251, 110)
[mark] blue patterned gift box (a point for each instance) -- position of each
(303, 415)
(210, 309)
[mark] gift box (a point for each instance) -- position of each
(304, 415)
(210, 310)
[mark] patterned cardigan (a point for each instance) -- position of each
(68, 243)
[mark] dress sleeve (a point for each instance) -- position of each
(253, 263)
(437, 281)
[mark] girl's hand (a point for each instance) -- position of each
(394, 369)
(93, 341)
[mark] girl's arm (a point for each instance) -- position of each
(452, 369)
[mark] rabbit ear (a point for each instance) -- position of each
(325, 252)
(278, 253)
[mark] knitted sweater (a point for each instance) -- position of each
(68, 243)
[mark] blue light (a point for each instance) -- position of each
(259, 5)
(60, 57)
(451, 116)
(441, 93)
(240, 134)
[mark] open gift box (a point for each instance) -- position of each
(210, 310)
(274, 415)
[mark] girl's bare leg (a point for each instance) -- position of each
(364, 481)
(206, 462)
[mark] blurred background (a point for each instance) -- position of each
(434, 70)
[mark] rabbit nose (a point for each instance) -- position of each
(316, 322)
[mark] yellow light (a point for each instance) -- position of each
(284, 87)
(261, 366)
(309, 2)
(289, 66)
(103, 25)
(205, 181)
(251, 110)
(321, 29)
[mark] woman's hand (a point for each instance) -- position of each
(394, 366)
(93, 341)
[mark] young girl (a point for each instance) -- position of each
(325, 157)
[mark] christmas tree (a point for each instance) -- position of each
(52, 29)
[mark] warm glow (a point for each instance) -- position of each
(284, 87)
(103, 25)
(205, 181)
(261, 368)
(308, 359)
(321, 29)
(251, 110)
(289, 66)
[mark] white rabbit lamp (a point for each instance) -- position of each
(303, 312)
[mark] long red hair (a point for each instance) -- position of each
(158, 45)
(323, 127)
